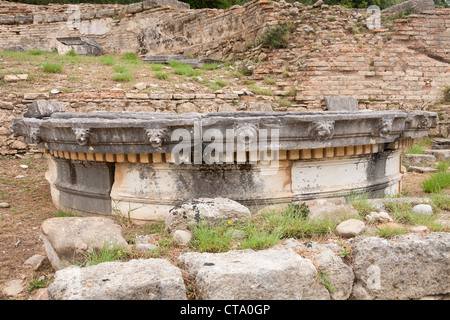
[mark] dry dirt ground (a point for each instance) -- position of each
(28, 194)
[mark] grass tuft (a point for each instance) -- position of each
(52, 67)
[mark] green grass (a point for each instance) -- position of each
(156, 66)
(37, 284)
(52, 67)
(361, 204)
(35, 52)
(161, 75)
(419, 146)
(211, 66)
(121, 69)
(71, 53)
(108, 253)
(402, 213)
(284, 102)
(221, 83)
(260, 91)
(122, 77)
(107, 60)
(61, 213)
(388, 232)
(437, 182)
(261, 231)
(270, 81)
(213, 85)
(129, 56)
(212, 238)
(183, 69)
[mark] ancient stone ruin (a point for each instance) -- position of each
(144, 164)
(357, 98)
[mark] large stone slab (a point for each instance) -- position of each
(143, 279)
(441, 155)
(326, 259)
(209, 210)
(406, 267)
(81, 45)
(341, 103)
(66, 239)
(274, 274)
(418, 160)
(44, 108)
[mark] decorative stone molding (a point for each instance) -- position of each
(35, 135)
(157, 136)
(246, 132)
(384, 128)
(321, 130)
(83, 136)
(311, 156)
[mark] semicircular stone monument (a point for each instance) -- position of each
(142, 164)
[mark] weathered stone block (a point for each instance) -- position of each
(81, 46)
(341, 104)
(406, 267)
(44, 108)
(67, 239)
(143, 279)
(210, 211)
(274, 274)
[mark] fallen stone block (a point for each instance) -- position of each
(209, 210)
(419, 160)
(143, 279)
(82, 46)
(274, 274)
(406, 267)
(421, 169)
(341, 104)
(441, 155)
(325, 258)
(67, 239)
(44, 108)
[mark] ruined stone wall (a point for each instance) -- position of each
(137, 27)
(404, 65)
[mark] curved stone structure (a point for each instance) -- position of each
(143, 164)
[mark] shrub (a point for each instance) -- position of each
(446, 92)
(278, 36)
(52, 67)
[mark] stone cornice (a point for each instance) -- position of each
(147, 133)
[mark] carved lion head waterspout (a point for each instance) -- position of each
(321, 130)
(157, 137)
(83, 136)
